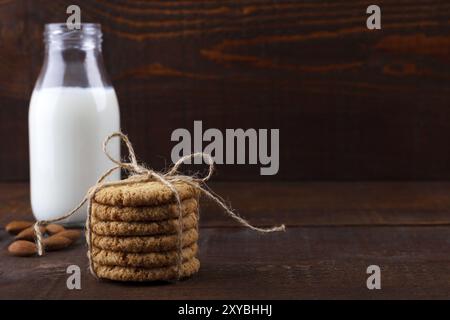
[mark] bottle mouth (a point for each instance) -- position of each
(88, 34)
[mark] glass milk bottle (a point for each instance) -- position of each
(73, 109)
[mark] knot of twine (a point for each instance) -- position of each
(139, 173)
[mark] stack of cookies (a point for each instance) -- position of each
(134, 232)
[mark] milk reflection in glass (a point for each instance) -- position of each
(73, 109)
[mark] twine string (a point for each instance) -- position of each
(139, 173)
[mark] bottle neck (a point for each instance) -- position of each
(58, 35)
(55, 54)
(73, 58)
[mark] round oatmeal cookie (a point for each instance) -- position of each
(140, 244)
(152, 193)
(166, 227)
(142, 260)
(117, 273)
(142, 214)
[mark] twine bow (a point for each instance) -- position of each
(139, 173)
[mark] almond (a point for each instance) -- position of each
(73, 235)
(14, 227)
(22, 248)
(54, 228)
(28, 234)
(56, 242)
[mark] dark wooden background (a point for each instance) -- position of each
(350, 103)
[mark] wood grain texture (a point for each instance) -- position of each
(303, 204)
(335, 231)
(303, 263)
(350, 103)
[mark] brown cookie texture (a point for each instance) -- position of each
(142, 260)
(142, 244)
(112, 228)
(117, 273)
(152, 193)
(104, 212)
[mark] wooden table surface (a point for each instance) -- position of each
(334, 232)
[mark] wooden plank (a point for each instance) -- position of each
(334, 203)
(303, 263)
(350, 103)
(16, 83)
(300, 204)
(346, 227)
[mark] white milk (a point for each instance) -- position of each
(67, 127)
